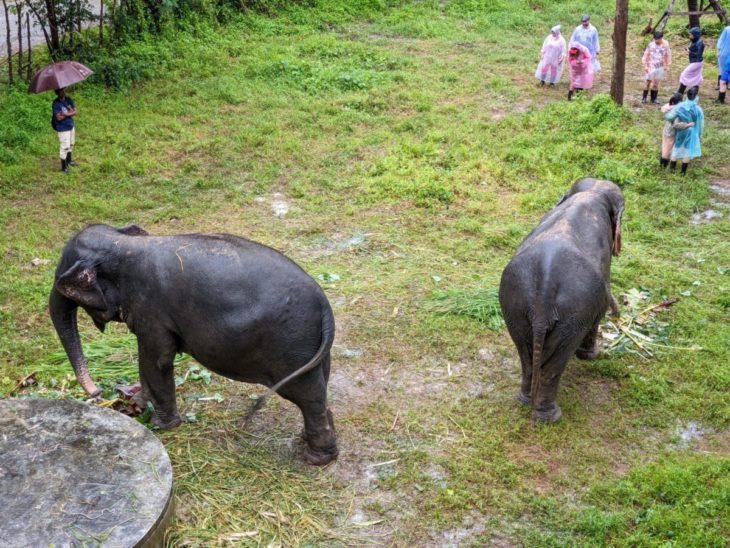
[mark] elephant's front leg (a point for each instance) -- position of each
(156, 357)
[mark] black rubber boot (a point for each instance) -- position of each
(681, 89)
(721, 97)
(654, 95)
(64, 166)
(644, 95)
(542, 83)
(570, 95)
(69, 161)
(684, 167)
(673, 165)
(717, 87)
(663, 162)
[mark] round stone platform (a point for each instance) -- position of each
(72, 474)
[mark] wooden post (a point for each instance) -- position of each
(9, 45)
(620, 27)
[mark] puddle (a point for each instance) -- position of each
(279, 206)
(689, 433)
(706, 217)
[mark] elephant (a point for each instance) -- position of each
(556, 289)
(240, 308)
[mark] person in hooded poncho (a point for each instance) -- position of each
(669, 132)
(581, 68)
(587, 34)
(724, 79)
(723, 51)
(656, 60)
(552, 58)
(687, 141)
(692, 75)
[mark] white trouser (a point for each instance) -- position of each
(67, 139)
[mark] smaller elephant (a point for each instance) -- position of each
(556, 288)
(241, 309)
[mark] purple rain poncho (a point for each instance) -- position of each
(552, 57)
(687, 141)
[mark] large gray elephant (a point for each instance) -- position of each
(241, 309)
(556, 288)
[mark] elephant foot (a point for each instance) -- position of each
(590, 354)
(169, 424)
(318, 457)
(524, 400)
(550, 415)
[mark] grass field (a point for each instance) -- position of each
(413, 151)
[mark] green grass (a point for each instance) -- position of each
(415, 153)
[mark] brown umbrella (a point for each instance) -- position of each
(58, 75)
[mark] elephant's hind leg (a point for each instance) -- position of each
(309, 393)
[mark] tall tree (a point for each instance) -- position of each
(620, 27)
(8, 43)
(694, 20)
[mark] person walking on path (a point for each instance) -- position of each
(723, 51)
(581, 68)
(552, 58)
(692, 75)
(587, 35)
(657, 58)
(64, 109)
(670, 129)
(687, 144)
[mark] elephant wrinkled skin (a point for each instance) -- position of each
(556, 288)
(241, 309)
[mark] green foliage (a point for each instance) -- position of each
(481, 304)
(23, 119)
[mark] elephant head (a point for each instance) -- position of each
(81, 280)
(613, 199)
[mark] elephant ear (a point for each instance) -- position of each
(79, 284)
(616, 225)
(133, 230)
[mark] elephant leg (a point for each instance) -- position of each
(156, 357)
(588, 349)
(309, 393)
(546, 410)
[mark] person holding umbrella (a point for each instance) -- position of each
(64, 109)
(58, 76)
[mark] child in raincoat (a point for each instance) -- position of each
(723, 52)
(670, 130)
(581, 68)
(657, 58)
(687, 141)
(724, 79)
(552, 58)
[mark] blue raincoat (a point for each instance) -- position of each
(687, 142)
(723, 48)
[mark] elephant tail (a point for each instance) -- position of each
(538, 341)
(328, 337)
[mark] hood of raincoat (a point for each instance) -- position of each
(696, 33)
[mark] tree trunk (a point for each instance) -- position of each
(694, 20)
(30, 49)
(9, 45)
(620, 26)
(19, 10)
(49, 45)
(101, 23)
(53, 26)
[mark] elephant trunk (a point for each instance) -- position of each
(63, 314)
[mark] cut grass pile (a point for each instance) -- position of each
(412, 151)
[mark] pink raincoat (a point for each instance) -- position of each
(581, 67)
